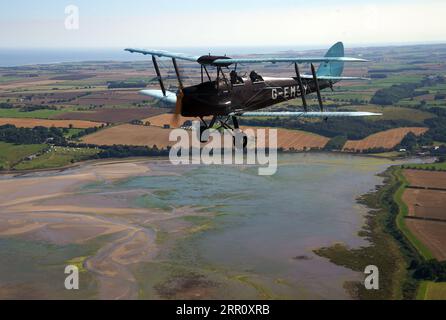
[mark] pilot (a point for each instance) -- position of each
(233, 76)
(255, 77)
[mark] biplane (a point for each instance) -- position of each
(221, 99)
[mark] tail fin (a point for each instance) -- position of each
(333, 69)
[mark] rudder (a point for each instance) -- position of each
(333, 69)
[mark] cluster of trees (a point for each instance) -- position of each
(119, 151)
(378, 76)
(70, 99)
(389, 96)
(336, 143)
(432, 270)
(352, 130)
(409, 142)
(31, 108)
(437, 126)
(85, 132)
(5, 105)
(37, 135)
(122, 151)
(26, 108)
(124, 84)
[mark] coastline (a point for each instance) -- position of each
(386, 220)
(138, 159)
(387, 249)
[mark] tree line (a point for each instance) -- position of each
(352, 130)
(37, 135)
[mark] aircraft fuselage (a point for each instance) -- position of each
(207, 99)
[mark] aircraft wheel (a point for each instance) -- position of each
(237, 143)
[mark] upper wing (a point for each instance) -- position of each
(167, 54)
(289, 60)
(229, 61)
(309, 114)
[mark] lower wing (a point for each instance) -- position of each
(302, 114)
(170, 97)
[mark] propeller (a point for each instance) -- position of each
(178, 108)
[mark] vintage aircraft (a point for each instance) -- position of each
(227, 97)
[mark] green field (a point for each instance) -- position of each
(11, 154)
(38, 114)
(395, 113)
(72, 132)
(429, 290)
(57, 157)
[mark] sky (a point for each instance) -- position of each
(203, 23)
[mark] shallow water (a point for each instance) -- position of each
(266, 222)
(239, 235)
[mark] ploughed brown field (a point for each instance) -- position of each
(386, 139)
(424, 203)
(112, 115)
(166, 119)
(136, 135)
(293, 139)
(31, 123)
(432, 234)
(427, 209)
(426, 179)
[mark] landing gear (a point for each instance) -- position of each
(239, 138)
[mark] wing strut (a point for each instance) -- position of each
(177, 71)
(158, 73)
(318, 90)
(301, 87)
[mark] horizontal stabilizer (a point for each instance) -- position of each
(170, 97)
(309, 114)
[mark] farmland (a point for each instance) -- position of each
(57, 157)
(11, 154)
(110, 115)
(31, 123)
(423, 201)
(432, 234)
(128, 134)
(149, 136)
(167, 119)
(432, 291)
(87, 94)
(426, 179)
(296, 140)
(386, 140)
